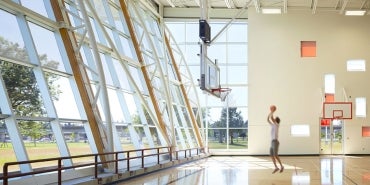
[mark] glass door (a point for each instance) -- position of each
(331, 140)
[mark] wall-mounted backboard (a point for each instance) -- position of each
(337, 110)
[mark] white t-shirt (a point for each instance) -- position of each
(274, 131)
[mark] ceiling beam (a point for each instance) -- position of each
(171, 3)
(344, 5)
(194, 13)
(229, 4)
(257, 5)
(363, 5)
(228, 24)
(314, 6)
(285, 8)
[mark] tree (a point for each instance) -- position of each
(33, 129)
(22, 87)
(219, 133)
(235, 121)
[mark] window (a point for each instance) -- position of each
(366, 131)
(360, 107)
(356, 65)
(230, 50)
(329, 84)
(300, 130)
(308, 48)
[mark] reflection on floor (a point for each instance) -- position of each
(254, 170)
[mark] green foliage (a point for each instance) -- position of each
(22, 88)
(136, 119)
(33, 129)
(235, 120)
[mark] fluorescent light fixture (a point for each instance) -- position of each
(355, 12)
(271, 10)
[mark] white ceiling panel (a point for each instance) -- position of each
(310, 6)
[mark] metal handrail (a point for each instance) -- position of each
(59, 168)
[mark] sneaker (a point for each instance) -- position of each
(282, 169)
(276, 169)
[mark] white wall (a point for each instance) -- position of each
(278, 75)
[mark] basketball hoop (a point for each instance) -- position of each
(221, 92)
(337, 117)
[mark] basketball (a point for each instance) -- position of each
(272, 108)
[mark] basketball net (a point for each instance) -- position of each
(222, 93)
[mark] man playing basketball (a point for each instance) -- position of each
(274, 149)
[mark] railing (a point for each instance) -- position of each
(59, 168)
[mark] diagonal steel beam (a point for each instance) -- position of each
(285, 6)
(257, 5)
(184, 93)
(79, 74)
(344, 5)
(139, 54)
(314, 6)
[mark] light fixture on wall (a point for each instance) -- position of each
(271, 10)
(355, 12)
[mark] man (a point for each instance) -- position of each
(274, 149)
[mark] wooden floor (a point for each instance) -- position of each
(255, 170)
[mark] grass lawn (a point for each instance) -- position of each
(42, 151)
(237, 144)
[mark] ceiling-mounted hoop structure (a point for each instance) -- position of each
(221, 92)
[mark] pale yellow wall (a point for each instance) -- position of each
(278, 75)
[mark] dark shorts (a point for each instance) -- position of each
(274, 149)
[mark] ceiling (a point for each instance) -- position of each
(309, 6)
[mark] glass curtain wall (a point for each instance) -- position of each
(226, 123)
(42, 104)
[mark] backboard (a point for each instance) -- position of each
(210, 76)
(209, 80)
(337, 110)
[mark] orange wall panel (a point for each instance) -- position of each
(308, 48)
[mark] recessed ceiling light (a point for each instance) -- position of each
(271, 10)
(355, 12)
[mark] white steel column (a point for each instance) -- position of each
(159, 119)
(133, 84)
(43, 87)
(98, 62)
(186, 86)
(163, 77)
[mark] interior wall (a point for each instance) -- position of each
(279, 75)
